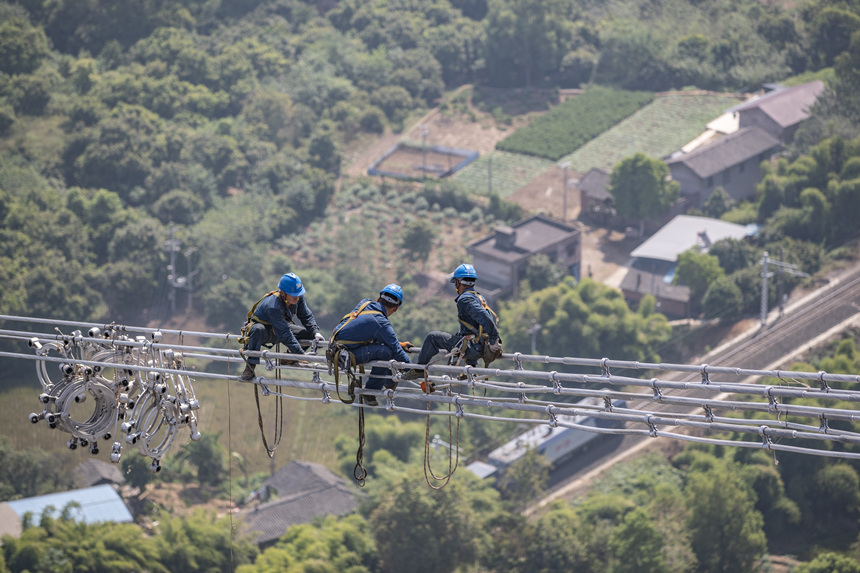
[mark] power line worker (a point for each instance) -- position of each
(478, 336)
(270, 321)
(368, 335)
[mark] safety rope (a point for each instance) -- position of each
(279, 414)
(359, 472)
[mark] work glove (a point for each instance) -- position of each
(428, 387)
(319, 337)
(496, 347)
(406, 345)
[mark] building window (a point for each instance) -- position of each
(710, 182)
(572, 249)
(727, 176)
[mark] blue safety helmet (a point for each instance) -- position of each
(291, 284)
(465, 273)
(392, 293)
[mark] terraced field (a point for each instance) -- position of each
(509, 172)
(658, 129)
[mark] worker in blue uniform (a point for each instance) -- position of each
(367, 333)
(271, 321)
(478, 336)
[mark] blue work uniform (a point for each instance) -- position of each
(272, 322)
(473, 318)
(370, 336)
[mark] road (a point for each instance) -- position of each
(814, 318)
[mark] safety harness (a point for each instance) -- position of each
(336, 352)
(251, 319)
(479, 335)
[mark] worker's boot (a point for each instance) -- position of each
(248, 373)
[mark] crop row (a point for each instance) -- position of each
(567, 127)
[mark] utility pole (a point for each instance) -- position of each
(564, 167)
(533, 330)
(191, 274)
(172, 245)
(425, 131)
(783, 267)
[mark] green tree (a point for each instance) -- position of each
(830, 563)
(423, 530)
(200, 541)
(723, 299)
(208, 456)
(558, 543)
(636, 545)
(524, 481)
(642, 188)
(726, 529)
(697, 270)
(542, 272)
(417, 239)
(525, 39)
(718, 203)
(136, 470)
(587, 318)
(329, 545)
(22, 45)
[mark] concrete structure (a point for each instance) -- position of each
(781, 111)
(501, 258)
(652, 269)
(88, 505)
(732, 162)
(306, 491)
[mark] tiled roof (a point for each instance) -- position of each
(725, 152)
(786, 106)
(594, 184)
(299, 476)
(97, 504)
(271, 520)
(530, 235)
(94, 472)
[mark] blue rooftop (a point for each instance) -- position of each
(97, 504)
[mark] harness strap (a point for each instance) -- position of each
(347, 318)
(485, 306)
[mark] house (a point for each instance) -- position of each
(732, 162)
(89, 505)
(97, 472)
(502, 257)
(652, 269)
(306, 491)
(781, 111)
(595, 201)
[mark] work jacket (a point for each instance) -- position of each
(277, 314)
(471, 311)
(371, 326)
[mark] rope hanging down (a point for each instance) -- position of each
(141, 394)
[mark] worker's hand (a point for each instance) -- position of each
(496, 346)
(407, 346)
(428, 387)
(319, 337)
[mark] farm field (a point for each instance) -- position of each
(509, 172)
(658, 129)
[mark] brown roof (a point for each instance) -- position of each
(528, 236)
(728, 151)
(786, 106)
(594, 184)
(271, 520)
(297, 476)
(96, 472)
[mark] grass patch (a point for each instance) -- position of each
(509, 172)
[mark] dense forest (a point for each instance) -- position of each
(146, 144)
